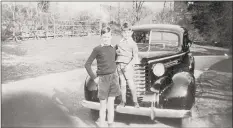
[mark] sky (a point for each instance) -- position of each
(78, 6)
(68, 9)
(155, 6)
(72, 7)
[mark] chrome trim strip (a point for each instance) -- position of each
(151, 61)
(144, 111)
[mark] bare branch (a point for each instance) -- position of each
(214, 20)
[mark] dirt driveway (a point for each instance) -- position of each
(68, 87)
(214, 104)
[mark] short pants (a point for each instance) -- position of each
(108, 86)
(128, 74)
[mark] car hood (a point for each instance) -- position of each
(155, 55)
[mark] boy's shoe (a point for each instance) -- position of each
(136, 105)
(110, 125)
(98, 120)
(122, 104)
(99, 123)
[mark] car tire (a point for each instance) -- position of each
(187, 121)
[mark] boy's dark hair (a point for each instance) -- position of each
(104, 30)
(126, 26)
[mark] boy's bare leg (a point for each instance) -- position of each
(123, 89)
(110, 107)
(132, 89)
(102, 112)
(133, 92)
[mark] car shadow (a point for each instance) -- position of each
(32, 109)
(172, 122)
(132, 119)
(214, 81)
(146, 121)
(71, 102)
(223, 66)
(219, 119)
(214, 98)
(89, 118)
(214, 85)
(214, 94)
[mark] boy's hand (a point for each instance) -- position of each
(127, 67)
(97, 80)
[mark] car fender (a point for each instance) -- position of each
(182, 83)
(180, 93)
(90, 87)
(90, 84)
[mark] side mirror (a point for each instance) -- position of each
(190, 43)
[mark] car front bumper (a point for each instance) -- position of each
(143, 111)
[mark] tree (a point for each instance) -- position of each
(166, 16)
(18, 18)
(43, 6)
(134, 14)
(42, 12)
(137, 10)
(213, 20)
(13, 18)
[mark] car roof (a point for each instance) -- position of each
(158, 26)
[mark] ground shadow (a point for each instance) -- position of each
(32, 109)
(223, 66)
(214, 81)
(215, 86)
(128, 119)
(89, 117)
(214, 96)
(219, 119)
(71, 102)
(134, 119)
(172, 122)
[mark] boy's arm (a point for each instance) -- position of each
(135, 54)
(88, 63)
(116, 47)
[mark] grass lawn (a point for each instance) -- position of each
(38, 57)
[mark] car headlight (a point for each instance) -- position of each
(158, 69)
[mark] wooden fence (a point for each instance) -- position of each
(62, 28)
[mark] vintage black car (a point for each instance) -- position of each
(164, 74)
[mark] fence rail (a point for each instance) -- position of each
(60, 29)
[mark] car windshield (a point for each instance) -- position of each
(159, 40)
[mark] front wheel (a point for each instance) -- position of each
(185, 122)
(189, 121)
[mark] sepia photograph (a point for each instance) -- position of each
(116, 64)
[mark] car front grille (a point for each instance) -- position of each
(141, 80)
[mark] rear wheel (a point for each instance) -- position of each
(94, 114)
(91, 96)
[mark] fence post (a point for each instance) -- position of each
(54, 28)
(100, 25)
(73, 29)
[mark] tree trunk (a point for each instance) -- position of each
(14, 24)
